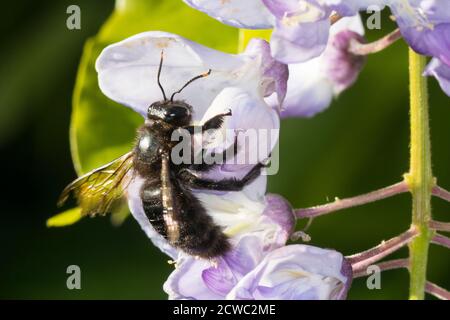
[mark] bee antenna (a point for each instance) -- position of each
(203, 75)
(159, 75)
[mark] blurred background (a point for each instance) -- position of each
(359, 144)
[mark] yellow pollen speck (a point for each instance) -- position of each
(162, 44)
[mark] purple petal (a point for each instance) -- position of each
(275, 73)
(234, 265)
(250, 14)
(186, 282)
(432, 42)
(437, 11)
(302, 29)
(313, 84)
(298, 42)
(279, 210)
(296, 272)
(219, 279)
(441, 72)
(281, 8)
(202, 279)
(343, 67)
(425, 25)
(253, 233)
(346, 8)
(347, 272)
(245, 256)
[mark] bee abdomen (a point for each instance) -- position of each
(204, 240)
(154, 214)
(198, 234)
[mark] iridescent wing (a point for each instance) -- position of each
(99, 190)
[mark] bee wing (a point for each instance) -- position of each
(168, 202)
(97, 191)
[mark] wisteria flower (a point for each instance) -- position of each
(127, 74)
(301, 28)
(425, 25)
(313, 84)
(197, 279)
(226, 237)
(261, 266)
(254, 227)
(256, 224)
(297, 272)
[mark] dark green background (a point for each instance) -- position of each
(359, 144)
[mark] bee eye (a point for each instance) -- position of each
(176, 113)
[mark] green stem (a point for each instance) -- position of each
(419, 178)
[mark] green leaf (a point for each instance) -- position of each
(102, 130)
(245, 35)
(65, 218)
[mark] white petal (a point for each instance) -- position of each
(309, 90)
(252, 118)
(128, 71)
(241, 216)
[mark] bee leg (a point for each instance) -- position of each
(233, 184)
(212, 124)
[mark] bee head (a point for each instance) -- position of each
(176, 113)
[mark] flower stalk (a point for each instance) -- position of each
(441, 240)
(437, 291)
(384, 266)
(441, 193)
(364, 259)
(363, 49)
(419, 178)
(340, 204)
(440, 226)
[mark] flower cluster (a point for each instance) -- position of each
(301, 28)
(307, 63)
(261, 265)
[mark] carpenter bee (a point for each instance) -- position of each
(167, 199)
